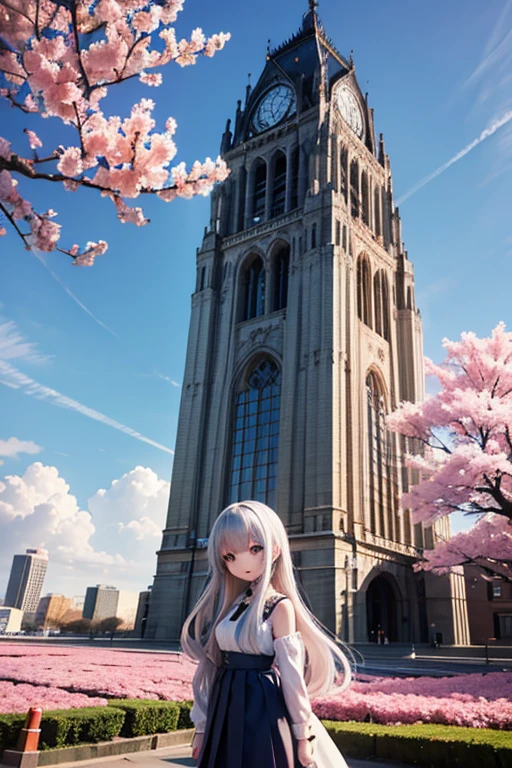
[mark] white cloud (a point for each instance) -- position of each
(14, 346)
(12, 447)
(143, 528)
(115, 538)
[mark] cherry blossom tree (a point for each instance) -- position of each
(463, 436)
(59, 58)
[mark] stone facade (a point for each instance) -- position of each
(489, 607)
(303, 266)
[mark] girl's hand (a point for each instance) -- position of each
(197, 743)
(305, 751)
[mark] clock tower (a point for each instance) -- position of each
(304, 334)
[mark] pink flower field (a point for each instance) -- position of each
(17, 698)
(66, 676)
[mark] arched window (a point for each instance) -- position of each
(279, 185)
(365, 193)
(385, 307)
(280, 278)
(376, 211)
(255, 437)
(385, 218)
(259, 191)
(254, 289)
(343, 172)
(381, 303)
(202, 281)
(377, 299)
(295, 179)
(379, 460)
(354, 189)
(364, 291)
(240, 213)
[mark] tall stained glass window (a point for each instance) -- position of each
(255, 441)
(379, 454)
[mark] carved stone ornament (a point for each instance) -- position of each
(262, 334)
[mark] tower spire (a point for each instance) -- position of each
(313, 5)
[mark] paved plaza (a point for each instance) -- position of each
(180, 757)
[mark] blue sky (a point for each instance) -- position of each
(438, 76)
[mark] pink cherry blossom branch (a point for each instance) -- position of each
(68, 75)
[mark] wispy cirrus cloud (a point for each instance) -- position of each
(71, 295)
(491, 129)
(15, 379)
(491, 82)
(13, 346)
(491, 79)
(496, 57)
(160, 376)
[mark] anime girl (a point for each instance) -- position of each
(249, 620)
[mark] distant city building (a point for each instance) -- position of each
(77, 602)
(100, 602)
(142, 612)
(26, 580)
(103, 601)
(10, 619)
(51, 610)
(126, 608)
(489, 607)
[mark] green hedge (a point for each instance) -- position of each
(144, 717)
(429, 746)
(66, 727)
(185, 721)
(10, 726)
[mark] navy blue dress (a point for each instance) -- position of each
(248, 725)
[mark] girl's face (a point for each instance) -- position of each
(246, 565)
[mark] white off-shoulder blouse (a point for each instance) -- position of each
(289, 660)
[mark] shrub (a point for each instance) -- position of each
(430, 746)
(144, 717)
(10, 726)
(63, 728)
(184, 719)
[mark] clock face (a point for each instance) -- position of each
(275, 105)
(350, 110)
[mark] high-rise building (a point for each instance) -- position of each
(100, 602)
(126, 608)
(26, 580)
(10, 620)
(304, 334)
(51, 610)
(103, 602)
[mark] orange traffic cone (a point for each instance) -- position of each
(26, 755)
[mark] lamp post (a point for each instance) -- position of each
(487, 659)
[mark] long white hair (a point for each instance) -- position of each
(326, 665)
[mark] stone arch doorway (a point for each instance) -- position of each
(381, 610)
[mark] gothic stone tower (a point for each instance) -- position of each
(304, 333)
